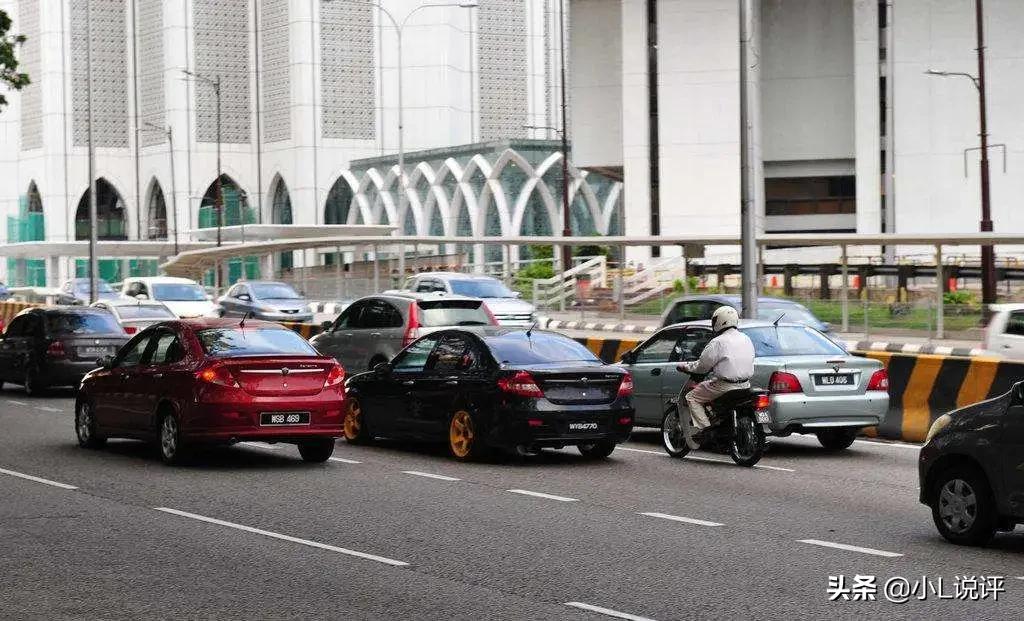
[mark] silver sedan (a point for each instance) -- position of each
(815, 386)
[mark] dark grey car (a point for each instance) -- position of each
(267, 300)
(375, 328)
(76, 291)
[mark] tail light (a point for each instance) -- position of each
(56, 350)
(412, 332)
(521, 384)
(879, 380)
(490, 315)
(626, 386)
(762, 401)
(335, 376)
(782, 383)
(217, 374)
(130, 329)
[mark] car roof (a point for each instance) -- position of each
(731, 299)
(744, 323)
(408, 296)
(162, 279)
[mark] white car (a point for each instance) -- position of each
(1004, 335)
(186, 298)
(503, 303)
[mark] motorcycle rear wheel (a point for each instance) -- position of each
(748, 441)
(673, 438)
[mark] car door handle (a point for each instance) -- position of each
(452, 383)
(158, 375)
(408, 383)
(655, 371)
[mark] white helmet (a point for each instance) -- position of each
(724, 317)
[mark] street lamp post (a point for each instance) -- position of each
(566, 220)
(174, 195)
(399, 27)
(93, 262)
(988, 259)
(219, 200)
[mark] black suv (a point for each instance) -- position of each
(971, 469)
(45, 347)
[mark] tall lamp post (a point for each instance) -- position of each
(93, 262)
(988, 259)
(170, 154)
(399, 27)
(219, 201)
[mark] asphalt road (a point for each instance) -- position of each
(402, 532)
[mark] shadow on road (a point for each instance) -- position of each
(236, 457)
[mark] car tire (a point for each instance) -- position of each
(173, 451)
(596, 450)
(962, 506)
(316, 451)
(353, 424)
(85, 427)
(837, 439)
(465, 442)
(31, 383)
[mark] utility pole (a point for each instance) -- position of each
(566, 214)
(748, 179)
(988, 257)
(93, 262)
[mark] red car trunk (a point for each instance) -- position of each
(279, 377)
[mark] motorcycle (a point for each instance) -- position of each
(736, 418)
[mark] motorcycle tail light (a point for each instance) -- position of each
(130, 329)
(521, 384)
(782, 383)
(879, 380)
(626, 386)
(762, 402)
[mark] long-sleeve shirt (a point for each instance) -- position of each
(729, 357)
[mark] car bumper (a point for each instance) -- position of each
(802, 413)
(509, 322)
(66, 373)
(520, 428)
(237, 422)
(286, 317)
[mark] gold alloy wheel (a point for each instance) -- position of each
(460, 434)
(353, 422)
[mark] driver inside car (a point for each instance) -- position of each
(728, 362)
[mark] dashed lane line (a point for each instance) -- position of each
(679, 518)
(430, 475)
(29, 477)
(849, 548)
(608, 612)
(707, 459)
(16, 402)
(46, 408)
(342, 460)
(267, 533)
(527, 492)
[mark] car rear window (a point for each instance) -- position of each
(81, 323)
(144, 312)
(254, 342)
(516, 348)
(178, 292)
(791, 341)
(438, 313)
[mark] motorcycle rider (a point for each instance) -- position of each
(728, 362)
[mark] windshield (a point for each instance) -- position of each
(145, 312)
(515, 348)
(179, 292)
(480, 288)
(101, 286)
(274, 291)
(792, 313)
(791, 341)
(81, 323)
(254, 342)
(453, 313)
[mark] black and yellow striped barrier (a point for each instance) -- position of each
(9, 309)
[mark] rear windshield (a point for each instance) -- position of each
(254, 342)
(101, 286)
(791, 341)
(439, 313)
(789, 312)
(480, 288)
(81, 323)
(178, 292)
(274, 291)
(144, 312)
(515, 348)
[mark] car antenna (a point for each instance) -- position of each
(241, 324)
(778, 319)
(529, 332)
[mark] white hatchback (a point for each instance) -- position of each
(1004, 335)
(186, 298)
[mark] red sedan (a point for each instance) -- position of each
(214, 381)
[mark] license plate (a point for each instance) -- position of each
(277, 419)
(583, 427)
(93, 351)
(763, 416)
(837, 379)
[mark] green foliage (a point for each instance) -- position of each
(536, 270)
(9, 74)
(591, 251)
(692, 281)
(540, 252)
(958, 297)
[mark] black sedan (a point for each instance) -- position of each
(45, 347)
(971, 469)
(492, 388)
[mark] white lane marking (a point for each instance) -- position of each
(16, 402)
(46, 408)
(267, 533)
(679, 518)
(29, 477)
(708, 459)
(912, 447)
(439, 477)
(527, 492)
(343, 460)
(262, 445)
(626, 448)
(849, 548)
(607, 611)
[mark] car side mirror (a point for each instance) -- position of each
(245, 296)
(383, 369)
(105, 362)
(629, 357)
(141, 296)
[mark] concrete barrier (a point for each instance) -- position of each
(9, 309)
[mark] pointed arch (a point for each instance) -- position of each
(156, 211)
(340, 199)
(110, 213)
(236, 204)
(35, 199)
(280, 202)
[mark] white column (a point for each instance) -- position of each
(867, 125)
(635, 125)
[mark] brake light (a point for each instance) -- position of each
(879, 380)
(335, 376)
(217, 374)
(130, 329)
(521, 384)
(782, 383)
(56, 350)
(626, 386)
(762, 402)
(490, 315)
(412, 332)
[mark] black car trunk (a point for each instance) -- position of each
(90, 347)
(583, 386)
